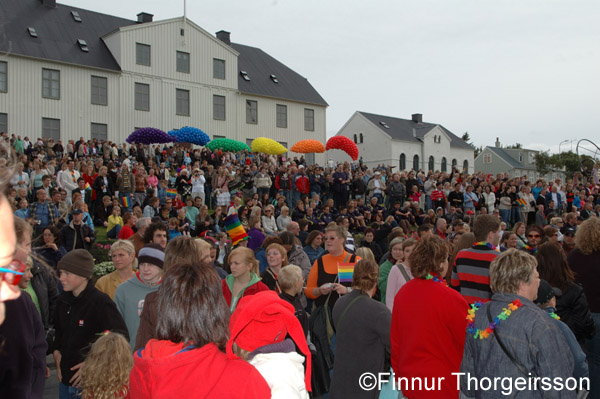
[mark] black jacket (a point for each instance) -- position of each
(80, 321)
(573, 309)
(99, 183)
(45, 285)
(68, 236)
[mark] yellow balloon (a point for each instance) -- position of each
(267, 146)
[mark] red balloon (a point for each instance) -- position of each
(345, 144)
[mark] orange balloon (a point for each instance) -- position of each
(308, 146)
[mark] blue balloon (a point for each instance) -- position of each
(190, 135)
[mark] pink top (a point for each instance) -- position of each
(153, 181)
(395, 281)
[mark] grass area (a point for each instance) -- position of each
(101, 234)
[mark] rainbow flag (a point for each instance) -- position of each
(235, 229)
(87, 187)
(126, 202)
(521, 202)
(345, 272)
(171, 193)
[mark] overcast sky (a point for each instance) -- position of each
(523, 71)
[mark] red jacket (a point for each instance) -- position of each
(251, 290)
(164, 370)
(302, 184)
(428, 337)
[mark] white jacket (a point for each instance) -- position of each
(284, 372)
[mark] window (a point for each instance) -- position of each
(219, 107)
(51, 128)
(83, 45)
(32, 32)
(142, 54)
(218, 68)
(309, 120)
(281, 115)
(310, 158)
(361, 137)
(182, 103)
(487, 158)
(99, 90)
(3, 123)
(245, 75)
(76, 16)
(50, 83)
(454, 164)
(183, 62)
(142, 97)
(431, 163)
(274, 78)
(444, 164)
(216, 136)
(385, 125)
(466, 165)
(355, 139)
(402, 162)
(251, 111)
(283, 143)
(3, 76)
(416, 162)
(99, 131)
(249, 142)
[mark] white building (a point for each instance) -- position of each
(405, 143)
(66, 72)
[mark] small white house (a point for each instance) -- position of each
(405, 143)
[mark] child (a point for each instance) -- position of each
(105, 373)
(265, 332)
(243, 280)
(291, 282)
(115, 222)
(183, 222)
(173, 225)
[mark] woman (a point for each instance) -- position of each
(90, 176)
(505, 204)
(187, 351)
(269, 223)
(284, 218)
(35, 177)
(122, 253)
(360, 323)
(532, 343)
(221, 185)
(314, 246)
(584, 260)
(277, 259)
(416, 334)
(243, 280)
(52, 250)
(125, 185)
(552, 234)
(129, 221)
(103, 185)
(520, 228)
(490, 199)
(152, 179)
(572, 306)
(295, 254)
(509, 240)
(399, 274)
(203, 221)
(394, 258)
(299, 211)
(369, 242)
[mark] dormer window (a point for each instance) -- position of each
(274, 78)
(245, 75)
(385, 125)
(32, 32)
(83, 45)
(76, 16)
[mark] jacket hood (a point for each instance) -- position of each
(163, 366)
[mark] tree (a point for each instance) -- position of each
(466, 138)
(478, 150)
(516, 146)
(542, 162)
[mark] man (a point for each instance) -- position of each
(441, 228)
(456, 198)
(102, 211)
(82, 314)
(130, 295)
(61, 207)
(301, 185)
(556, 198)
(535, 236)
(568, 240)
(570, 222)
(396, 191)
(86, 195)
(470, 272)
(138, 238)
(69, 178)
(43, 213)
(540, 217)
(77, 235)
(156, 233)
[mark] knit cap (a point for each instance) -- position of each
(264, 319)
(235, 229)
(79, 262)
(153, 254)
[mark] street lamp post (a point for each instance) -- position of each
(561, 143)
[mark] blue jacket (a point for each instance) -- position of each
(549, 198)
(312, 254)
(581, 368)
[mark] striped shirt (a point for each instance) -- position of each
(471, 273)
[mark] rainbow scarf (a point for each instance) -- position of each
(485, 244)
(73, 176)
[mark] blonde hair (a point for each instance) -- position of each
(247, 255)
(105, 373)
(587, 236)
(203, 245)
(289, 276)
(123, 245)
(509, 269)
(365, 253)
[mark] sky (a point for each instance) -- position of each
(526, 72)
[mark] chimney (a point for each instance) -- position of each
(144, 17)
(224, 36)
(497, 144)
(417, 118)
(49, 3)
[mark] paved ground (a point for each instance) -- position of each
(51, 391)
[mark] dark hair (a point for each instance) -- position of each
(126, 217)
(312, 235)
(56, 233)
(192, 307)
(287, 238)
(270, 240)
(366, 274)
(149, 233)
(553, 266)
(484, 225)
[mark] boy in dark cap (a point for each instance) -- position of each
(546, 300)
(82, 314)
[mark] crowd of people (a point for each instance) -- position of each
(296, 279)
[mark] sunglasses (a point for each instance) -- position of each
(329, 238)
(14, 271)
(533, 235)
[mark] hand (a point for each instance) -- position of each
(326, 288)
(76, 379)
(52, 246)
(105, 224)
(47, 372)
(340, 289)
(87, 239)
(57, 357)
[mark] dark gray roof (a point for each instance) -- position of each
(402, 129)
(509, 159)
(260, 66)
(57, 33)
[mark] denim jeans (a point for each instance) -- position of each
(66, 392)
(505, 216)
(114, 232)
(593, 357)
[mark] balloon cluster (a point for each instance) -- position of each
(227, 145)
(190, 135)
(149, 135)
(267, 146)
(345, 144)
(308, 146)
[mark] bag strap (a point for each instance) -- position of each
(339, 322)
(403, 271)
(519, 365)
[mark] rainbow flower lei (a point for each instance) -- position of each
(530, 249)
(435, 278)
(482, 334)
(485, 244)
(554, 315)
